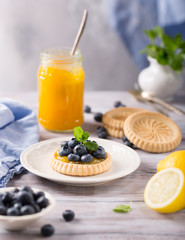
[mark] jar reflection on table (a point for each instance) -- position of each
(60, 89)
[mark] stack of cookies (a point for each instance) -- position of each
(152, 132)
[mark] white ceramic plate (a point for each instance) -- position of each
(36, 160)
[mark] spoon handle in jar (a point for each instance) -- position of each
(80, 32)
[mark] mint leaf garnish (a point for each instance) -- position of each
(82, 137)
(122, 208)
(78, 132)
(85, 136)
(165, 49)
(91, 146)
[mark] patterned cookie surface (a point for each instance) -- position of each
(152, 132)
(81, 169)
(114, 119)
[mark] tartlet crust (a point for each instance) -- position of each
(73, 169)
(114, 119)
(152, 132)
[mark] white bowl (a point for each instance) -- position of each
(21, 222)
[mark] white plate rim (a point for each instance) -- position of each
(79, 180)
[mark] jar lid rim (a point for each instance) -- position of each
(60, 53)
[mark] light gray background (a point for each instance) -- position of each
(26, 27)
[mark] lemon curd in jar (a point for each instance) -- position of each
(60, 89)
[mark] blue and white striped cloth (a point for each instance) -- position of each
(18, 130)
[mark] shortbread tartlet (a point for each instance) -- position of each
(63, 165)
(80, 156)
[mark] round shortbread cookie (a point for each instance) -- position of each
(152, 132)
(114, 119)
(82, 170)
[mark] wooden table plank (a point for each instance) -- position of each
(93, 205)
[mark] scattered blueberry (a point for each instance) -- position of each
(80, 150)
(73, 157)
(119, 104)
(98, 117)
(12, 211)
(24, 197)
(68, 215)
(87, 158)
(65, 151)
(47, 230)
(87, 109)
(129, 144)
(73, 142)
(2, 210)
(100, 129)
(102, 134)
(124, 138)
(99, 153)
(64, 144)
(42, 202)
(27, 210)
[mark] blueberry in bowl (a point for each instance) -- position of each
(20, 207)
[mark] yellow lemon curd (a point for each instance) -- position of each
(60, 97)
(64, 159)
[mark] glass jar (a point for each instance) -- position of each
(60, 89)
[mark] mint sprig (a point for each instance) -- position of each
(165, 49)
(122, 208)
(82, 137)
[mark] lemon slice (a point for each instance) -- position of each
(165, 191)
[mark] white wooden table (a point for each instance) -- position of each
(93, 205)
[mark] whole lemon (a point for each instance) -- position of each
(175, 159)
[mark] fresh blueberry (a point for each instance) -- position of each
(73, 142)
(68, 215)
(17, 205)
(27, 189)
(124, 138)
(98, 117)
(27, 209)
(38, 194)
(80, 150)
(86, 158)
(73, 157)
(100, 129)
(7, 198)
(2, 210)
(87, 109)
(16, 190)
(129, 144)
(64, 144)
(42, 202)
(47, 230)
(102, 134)
(65, 151)
(119, 104)
(24, 197)
(12, 211)
(36, 208)
(99, 153)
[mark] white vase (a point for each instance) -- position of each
(159, 80)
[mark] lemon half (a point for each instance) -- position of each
(165, 191)
(175, 159)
